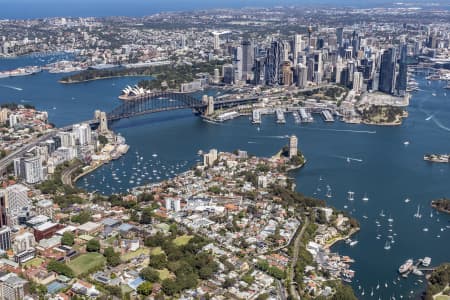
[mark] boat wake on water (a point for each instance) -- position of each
(440, 125)
(273, 136)
(342, 130)
(11, 87)
(349, 158)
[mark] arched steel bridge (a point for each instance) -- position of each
(164, 101)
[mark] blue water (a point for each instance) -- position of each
(22, 9)
(389, 172)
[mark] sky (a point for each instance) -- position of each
(22, 9)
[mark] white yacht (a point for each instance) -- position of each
(418, 215)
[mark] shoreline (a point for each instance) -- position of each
(90, 170)
(100, 78)
(328, 245)
(438, 208)
(397, 122)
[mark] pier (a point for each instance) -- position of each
(296, 116)
(280, 116)
(256, 117)
(327, 116)
(305, 116)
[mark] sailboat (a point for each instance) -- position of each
(378, 285)
(351, 196)
(328, 195)
(365, 198)
(382, 214)
(362, 294)
(387, 246)
(417, 214)
(371, 293)
(431, 214)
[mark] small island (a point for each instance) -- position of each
(442, 205)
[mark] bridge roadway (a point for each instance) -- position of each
(6, 161)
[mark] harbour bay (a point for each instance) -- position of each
(382, 166)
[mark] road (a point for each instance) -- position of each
(7, 160)
(292, 288)
(66, 175)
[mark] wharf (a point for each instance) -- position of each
(305, 116)
(280, 116)
(327, 116)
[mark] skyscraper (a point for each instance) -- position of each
(297, 47)
(387, 71)
(247, 59)
(302, 76)
(216, 41)
(402, 71)
(228, 73)
(272, 68)
(293, 146)
(3, 209)
(287, 73)
(237, 63)
(5, 238)
(340, 36)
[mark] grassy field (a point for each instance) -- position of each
(35, 262)
(440, 297)
(85, 262)
(130, 255)
(156, 251)
(163, 274)
(182, 240)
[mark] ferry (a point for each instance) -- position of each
(406, 266)
(426, 261)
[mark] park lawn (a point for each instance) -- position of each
(156, 251)
(130, 255)
(182, 240)
(85, 262)
(440, 297)
(125, 289)
(163, 274)
(35, 262)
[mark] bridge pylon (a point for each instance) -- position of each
(101, 117)
(209, 102)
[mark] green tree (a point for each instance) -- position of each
(344, 292)
(93, 246)
(60, 268)
(145, 288)
(68, 238)
(146, 217)
(102, 139)
(170, 287)
(112, 257)
(82, 217)
(158, 261)
(149, 274)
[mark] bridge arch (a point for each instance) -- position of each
(156, 102)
